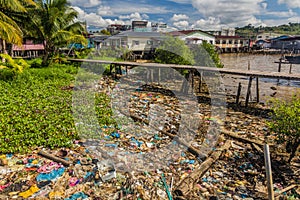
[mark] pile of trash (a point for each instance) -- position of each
(156, 153)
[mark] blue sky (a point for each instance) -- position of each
(187, 14)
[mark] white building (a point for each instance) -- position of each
(194, 36)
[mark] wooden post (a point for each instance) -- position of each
(248, 91)
(110, 68)
(192, 77)
(200, 82)
(126, 69)
(248, 64)
(152, 76)
(257, 90)
(279, 66)
(268, 172)
(290, 68)
(159, 74)
(147, 76)
(238, 94)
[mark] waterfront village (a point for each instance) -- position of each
(68, 133)
(142, 37)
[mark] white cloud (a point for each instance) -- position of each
(179, 17)
(94, 19)
(230, 13)
(290, 3)
(181, 24)
(288, 14)
(123, 7)
(85, 3)
(145, 16)
(104, 10)
(134, 16)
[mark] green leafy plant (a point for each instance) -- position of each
(285, 124)
(16, 65)
(36, 109)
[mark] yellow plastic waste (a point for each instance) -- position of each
(33, 189)
(56, 194)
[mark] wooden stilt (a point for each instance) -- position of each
(238, 94)
(257, 90)
(159, 74)
(279, 65)
(268, 172)
(290, 68)
(152, 75)
(192, 77)
(200, 81)
(126, 69)
(248, 91)
(110, 68)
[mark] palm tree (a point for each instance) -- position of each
(54, 23)
(9, 30)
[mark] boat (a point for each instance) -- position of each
(293, 59)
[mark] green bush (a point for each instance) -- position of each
(35, 63)
(285, 124)
(7, 74)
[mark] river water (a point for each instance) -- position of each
(268, 87)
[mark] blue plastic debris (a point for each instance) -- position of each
(79, 195)
(50, 176)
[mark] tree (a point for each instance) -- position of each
(105, 32)
(174, 51)
(285, 124)
(9, 30)
(54, 23)
(206, 55)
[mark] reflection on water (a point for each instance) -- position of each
(260, 62)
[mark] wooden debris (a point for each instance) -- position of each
(187, 184)
(284, 190)
(247, 140)
(54, 158)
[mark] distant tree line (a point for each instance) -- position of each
(285, 29)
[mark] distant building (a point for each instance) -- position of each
(262, 44)
(194, 36)
(141, 44)
(224, 32)
(140, 26)
(267, 36)
(159, 27)
(232, 43)
(117, 28)
(29, 49)
(284, 42)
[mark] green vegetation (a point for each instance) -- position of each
(174, 51)
(251, 31)
(206, 55)
(16, 66)
(285, 124)
(36, 109)
(10, 11)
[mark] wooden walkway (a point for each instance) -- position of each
(193, 69)
(259, 74)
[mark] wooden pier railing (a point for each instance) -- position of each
(250, 73)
